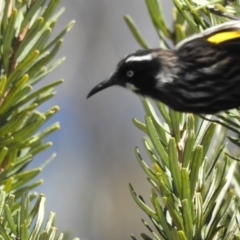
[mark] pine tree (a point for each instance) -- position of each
(26, 54)
(193, 176)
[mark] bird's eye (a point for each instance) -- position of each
(130, 73)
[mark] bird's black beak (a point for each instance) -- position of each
(105, 84)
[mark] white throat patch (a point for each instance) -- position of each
(148, 57)
(131, 87)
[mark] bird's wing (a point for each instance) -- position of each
(221, 33)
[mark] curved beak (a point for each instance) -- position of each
(105, 84)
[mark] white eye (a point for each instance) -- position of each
(130, 73)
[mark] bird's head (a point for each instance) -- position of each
(138, 72)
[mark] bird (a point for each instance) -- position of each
(200, 75)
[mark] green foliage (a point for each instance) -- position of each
(17, 218)
(25, 58)
(194, 178)
(27, 51)
(192, 196)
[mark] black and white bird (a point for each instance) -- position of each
(200, 75)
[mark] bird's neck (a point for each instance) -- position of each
(169, 67)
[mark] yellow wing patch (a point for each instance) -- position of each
(223, 37)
